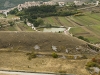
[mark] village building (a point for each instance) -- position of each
(78, 3)
(49, 3)
(5, 12)
(28, 4)
(97, 3)
(29, 24)
(61, 4)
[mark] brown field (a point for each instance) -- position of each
(27, 41)
(19, 61)
(15, 45)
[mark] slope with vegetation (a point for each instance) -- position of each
(32, 51)
(50, 52)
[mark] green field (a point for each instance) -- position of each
(87, 25)
(51, 20)
(77, 31)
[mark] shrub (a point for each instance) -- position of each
(29, 58)
(94, 60)
(31, 55)
(98, 61)
(11, 23)
(91, 64)
(62, 73)
(82, 38)
(28, 53)
(54, 55)
(93, 47)
(84, 57)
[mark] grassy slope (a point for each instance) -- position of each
(27, 40)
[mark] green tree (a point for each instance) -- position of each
(40, 21)
(15, 11)
(48, 25)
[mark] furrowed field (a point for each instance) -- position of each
(86, 25)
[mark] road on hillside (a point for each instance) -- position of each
(21, 73)
(86, 7)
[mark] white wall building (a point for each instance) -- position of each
(97, 3)
(49, 3)
(78, 3)
(61, 3)
(28, 4)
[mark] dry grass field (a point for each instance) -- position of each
(15, 45)
(19, 61)
(27, 40)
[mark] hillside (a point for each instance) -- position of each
(25, 48)
(27, 41)
(15, 45)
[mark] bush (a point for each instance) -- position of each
(91, 64)
(31, 55)
(98, 61)
(94, 60)
(28, 53)
(93, 47)
(11, 23)
(84, 57)
(82, 38)
(54, 55)
(48, 25)
(62, 73)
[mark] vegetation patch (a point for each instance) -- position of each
(93, 66)
(54, 55)
(93, 47)
(82, 38)
(31, 55)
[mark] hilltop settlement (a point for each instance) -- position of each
(39, 3)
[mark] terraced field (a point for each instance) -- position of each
(87, 26)
(52, 21)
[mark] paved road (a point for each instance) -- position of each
(21, 73)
